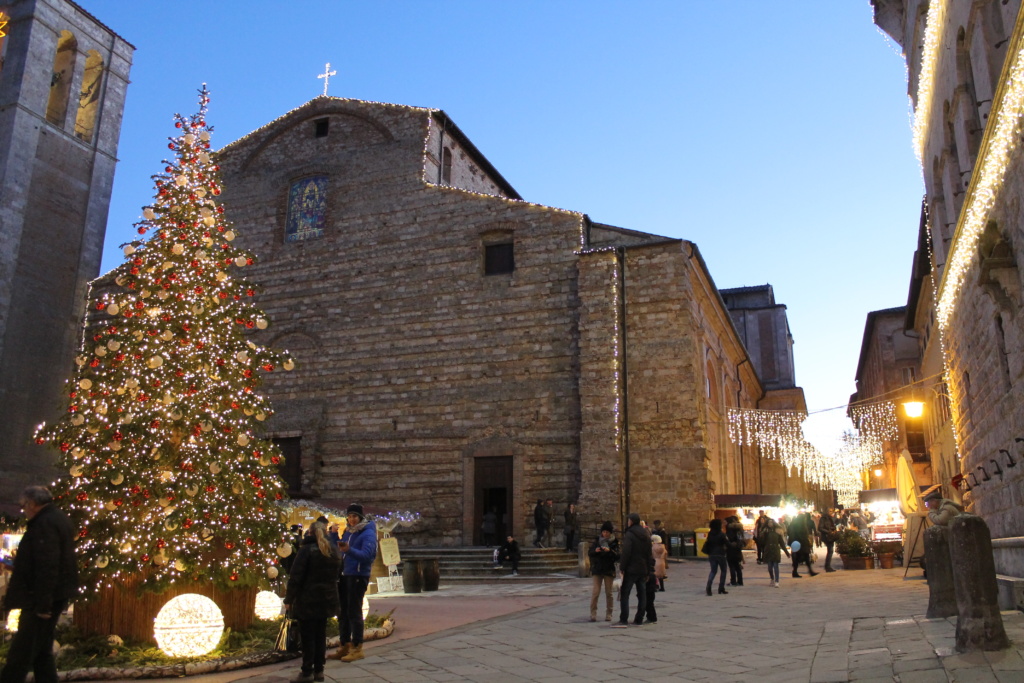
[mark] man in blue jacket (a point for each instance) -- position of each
(359, 547)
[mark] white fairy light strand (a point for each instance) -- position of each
(876, 420)
(926, 77)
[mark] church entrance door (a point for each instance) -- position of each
(493, 483)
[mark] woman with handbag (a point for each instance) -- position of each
(312, 598)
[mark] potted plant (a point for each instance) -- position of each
(886, 551)
(854, 550)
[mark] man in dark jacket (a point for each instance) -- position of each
(571, 519)
(540, 523)
(827, 532)
(604, 553)
(801, 529)
(635, 561)
(45, 578)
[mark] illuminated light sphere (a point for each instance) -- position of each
(189, 625)
(268, 605)
(12, 620)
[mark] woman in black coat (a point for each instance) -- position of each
(312, 598)
(714, 547)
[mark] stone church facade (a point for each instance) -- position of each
(63, 77)
(460, 349)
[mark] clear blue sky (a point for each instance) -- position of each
(775, 135)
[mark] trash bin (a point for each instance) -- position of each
(675, 545)
(689, 545)
(701, 536)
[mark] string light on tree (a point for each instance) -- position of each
(168, 474)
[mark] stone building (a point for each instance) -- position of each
(888, 370)
(461, 349)
(964, 65)
(63, 77)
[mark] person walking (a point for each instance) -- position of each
(540, 523)
(359, 548)
(44, 579)
(714, 547)
(827, 531)
(510, 552)
(734, 550)
(569, 530)
(773, 543)
(312, 597)
(549, 513)
(658, 554)
(800, 531)
(635, 563)
(604, 553)
(759, 527)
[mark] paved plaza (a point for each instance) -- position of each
(845, 626)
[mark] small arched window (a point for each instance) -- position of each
(89, 98)
(61, 77)
(711, 388)
(446, 166)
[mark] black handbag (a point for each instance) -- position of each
(288, 637)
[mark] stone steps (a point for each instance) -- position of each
(474, 564)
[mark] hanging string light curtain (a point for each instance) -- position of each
(876, 420)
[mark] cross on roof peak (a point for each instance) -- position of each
(326, 75)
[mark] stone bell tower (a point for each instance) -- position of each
(63, 78)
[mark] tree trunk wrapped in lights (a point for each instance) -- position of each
(166, 475)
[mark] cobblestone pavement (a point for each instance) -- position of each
(844, 626)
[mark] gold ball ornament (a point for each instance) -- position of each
(170, 525)
(179, 565)
(77, 419)
(215, 468)
(159, 559)
(85, 384)
(177, 248)
(288, 364)
(113, 345)
(76, 470)
(191, 490)
(102, 561)
(190, 138)
(148, 214)
(261, 416)
(126, 547)
(109, 506)
(242, 357)
(243, 440)
(272, 572)
(101, 351)
(229, 235)
(205, 534)
(241, 261)
(284, 550)
(155, 362)
(204, 135)
(200, 191)
(262, 323)
(117, 479)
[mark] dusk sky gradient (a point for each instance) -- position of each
(774, 135)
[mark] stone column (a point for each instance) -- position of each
(941, 594)
(979, 625)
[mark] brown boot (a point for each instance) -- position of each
(342, 650)
(354, 654)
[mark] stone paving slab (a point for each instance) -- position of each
(844, 626)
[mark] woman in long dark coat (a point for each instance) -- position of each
(312, 598)
(734, 551)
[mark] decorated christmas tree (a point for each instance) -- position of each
(165, 473)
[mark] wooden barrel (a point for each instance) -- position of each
(412, 576)
(430, 569)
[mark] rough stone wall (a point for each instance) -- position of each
(54, 196)
(600, 388)
(466, 172)
(668, 456)
(410, 359)
(985, 352)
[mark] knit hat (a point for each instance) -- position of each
(608, 526)
(355, 508)
(655, 538)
